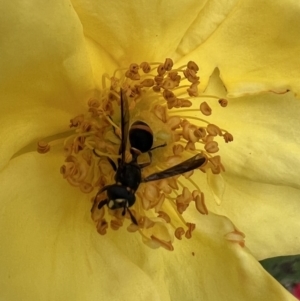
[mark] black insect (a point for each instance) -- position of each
(128, 176)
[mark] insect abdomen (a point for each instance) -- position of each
(141, 136)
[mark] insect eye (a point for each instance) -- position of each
(110, 204)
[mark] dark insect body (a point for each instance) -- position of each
(128, 176)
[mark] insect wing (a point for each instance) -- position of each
(124, 124)
(180, 168)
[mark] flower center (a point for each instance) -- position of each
(93, 159)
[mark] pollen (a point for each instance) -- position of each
(168, 100)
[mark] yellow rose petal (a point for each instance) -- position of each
(45, 70)
(50, 250)
(255, 44)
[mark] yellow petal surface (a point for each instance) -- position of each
(262, 163)
(51, 250)
(45, 71)
(133, 31)
(255, 44)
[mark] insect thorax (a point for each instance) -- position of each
(129, 175)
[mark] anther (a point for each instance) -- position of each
(213, 130)
(179, 232)
(132, 75)
(211, 147)
(134, 68)
(223, 102)
(160, 112)
(236, 236)
(168, 95)
(149, 82)
(161, 70)
(165, 216)
(174, 122)
(193, 66)
(146, 67)
(76, 121)
(200, 133)
(93, 103)
(185, 103)
(191, 228)
(190, 146)
(156, 88)
(102, 226)
(168, 64)
(205, 108)
(115, 224)
(43, 147)
(193, 89)
(165, 244)
(174, 76)
(200, 204)
(177, 149)
(86, 187)
(228, 137)
(169, 84)
(190, 75)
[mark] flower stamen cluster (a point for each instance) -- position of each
(153, 91)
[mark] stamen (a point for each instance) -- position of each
(194, 118)
(168, 64)
(200, 204)
(228, 137)
(211, 147)
(146, 67)
(43, 147)
(165, 216)
(236, 236)
(193, 66)
(191, 228)
(102, 226)
(213, 130)
(165, 244)
(86, 187)
(223, 102)
(158, 94)
(179, 232)
(205, 109)
(115, 224)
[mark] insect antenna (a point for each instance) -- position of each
(102, 203)
(162, 145)
(133, 219)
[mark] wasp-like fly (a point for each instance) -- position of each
(128, 176)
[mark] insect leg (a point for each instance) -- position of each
(162, 145)
(124, 209)
(112, 163)
(143, 165)
(102, 203)
(100, 191)
(133, 219)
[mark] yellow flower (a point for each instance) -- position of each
(52, 60)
